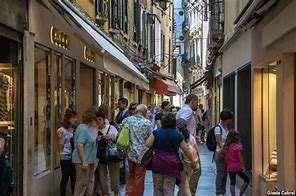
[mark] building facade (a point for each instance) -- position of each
(257, 71)
(143, 29)
(195, 30)
(179, 47)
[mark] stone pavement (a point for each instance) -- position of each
(206, 186)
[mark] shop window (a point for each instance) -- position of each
(86, 88)
(228, 92)
(244, 113)
(57, 67)
(99, 89)
(69, 84)
(128, 91)
(140, 96)
(42, 131)
(8, 85)
(269, 149)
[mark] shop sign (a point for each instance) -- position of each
(59, 38)
(89, 54)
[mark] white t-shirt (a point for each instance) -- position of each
(112, 132)
(223, 136)
(189, 116)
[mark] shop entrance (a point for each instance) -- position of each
(11, 106)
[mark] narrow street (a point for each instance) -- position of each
(82, 81)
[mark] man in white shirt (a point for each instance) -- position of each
(221, 132)
(188, 113)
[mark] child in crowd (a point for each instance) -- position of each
(234, 162)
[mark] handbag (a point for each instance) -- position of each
(147, 158)
(107, 150)
(167, 163)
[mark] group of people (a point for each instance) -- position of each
(163, 139)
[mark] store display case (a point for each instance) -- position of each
(269, 168)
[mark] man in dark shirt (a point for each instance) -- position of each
(123, 110)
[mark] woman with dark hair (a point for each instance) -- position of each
(165, 108)
(166, 165)
(65, 135)
(107, 136)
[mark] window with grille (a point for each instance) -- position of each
(114, 15)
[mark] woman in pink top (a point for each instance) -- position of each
(234, 162)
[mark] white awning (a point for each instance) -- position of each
(104, 42)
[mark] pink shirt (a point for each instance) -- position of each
(232, 158)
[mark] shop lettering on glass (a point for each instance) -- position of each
(59, 38)
(89, 55)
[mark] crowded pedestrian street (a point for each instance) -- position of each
(147, 98)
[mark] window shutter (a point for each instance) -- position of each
(137, 20)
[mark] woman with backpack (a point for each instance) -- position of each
(109, 162)
(65, 135)
(234, 161)
(166, 164)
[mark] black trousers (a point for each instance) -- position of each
(243, 175)
(68, 171)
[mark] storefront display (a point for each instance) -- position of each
(69, 83)
(269, 167)
(10, 105)
(42, 140)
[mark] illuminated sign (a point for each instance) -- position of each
(59, 38)
(89, 55)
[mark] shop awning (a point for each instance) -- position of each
(198, 82)
(103, 41)
(166, 87)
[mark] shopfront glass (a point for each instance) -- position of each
(69, 81)
(99, 89)
(86, 90)
(244, 113)
(10, 106)
(42, 131)
(269, 149)
(57, 67)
